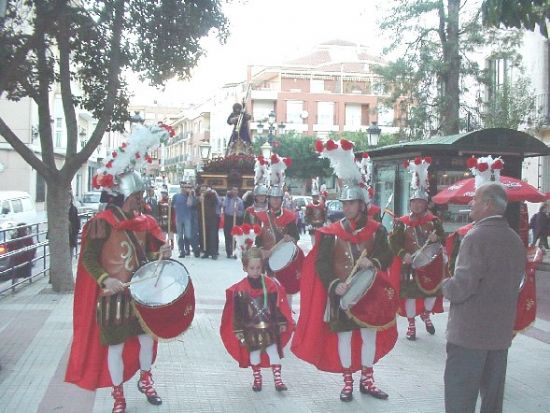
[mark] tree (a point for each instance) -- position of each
(510, 106)
(525, 14)
(438, 40)
(90, 44)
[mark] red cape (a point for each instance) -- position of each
(281, 221)
(232, 345)
(395, 270)
(428, 217)
(373, 210)
(313, 340)
(87, 366)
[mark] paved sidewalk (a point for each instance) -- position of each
(195, 374)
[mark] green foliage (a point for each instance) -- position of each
(306, 163)
(428, 83)
(525, 14)
(510, 106)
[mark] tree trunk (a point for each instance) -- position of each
(451, 101)
(61, 273)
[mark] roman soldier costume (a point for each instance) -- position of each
(349, 332)
(251, 212)
(109, 343)
(275, 224)
(315, 215)
(257, 317)
(419, 235)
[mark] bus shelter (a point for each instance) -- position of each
(449, 155)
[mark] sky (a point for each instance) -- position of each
(269, 32)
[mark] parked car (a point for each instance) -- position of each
(17, 207)
(335, 211)
(301, 201)
(89, 202)
(14, 237)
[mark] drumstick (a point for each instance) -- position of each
(127, 284)
(157, 269)
(418, 251)
(352, 273)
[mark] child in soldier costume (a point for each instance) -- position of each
(256, 321)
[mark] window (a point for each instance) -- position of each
(353, 115)
(293, 111)
(58, 139)
(6, 207)
(317, 86)
(325, 113)
(59, 123)
(17, 205)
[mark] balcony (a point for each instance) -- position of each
(264, 94)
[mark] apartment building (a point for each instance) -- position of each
(331, 89)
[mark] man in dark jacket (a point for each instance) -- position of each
(483, 293)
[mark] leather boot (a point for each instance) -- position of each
(346, 395)
(120, 401)
(411, 330)
(425, 316)
(257, 372)
(145, 385)
(367, 385)
(279, 385)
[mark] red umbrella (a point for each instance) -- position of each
(462, 192)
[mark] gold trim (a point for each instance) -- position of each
(102, 278)
(363, 324)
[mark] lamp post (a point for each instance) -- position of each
(266, 150)
(272, 126)
(82, 136)
(204, 152)
(374, 132)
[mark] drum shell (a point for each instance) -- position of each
(288, 274)
(168, 320)
(429, 277)
(378, 307)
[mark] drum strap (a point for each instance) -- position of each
(354, 247)
(141, 256)
(276, 233)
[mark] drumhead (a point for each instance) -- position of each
(172, 282)
(427, 255)
(282, 255)
(358, 287)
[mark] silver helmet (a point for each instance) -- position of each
(275, 191)
(260, 189)
(351, 193)
(129, 183)
(419, 193)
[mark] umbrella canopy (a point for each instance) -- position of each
(463, 191)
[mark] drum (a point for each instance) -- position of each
(378, 306)
(358, 287)
(286, 262)
(429, 265)
(165, 308)
(424, 256)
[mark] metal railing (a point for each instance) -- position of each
(40, 263)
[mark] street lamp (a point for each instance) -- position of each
(374, 132)
(204, 149)
(272, 126)
(266, 150)
(82, 136)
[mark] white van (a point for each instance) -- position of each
(17, 207)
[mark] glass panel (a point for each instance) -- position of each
(384, 189)
(17, 205)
